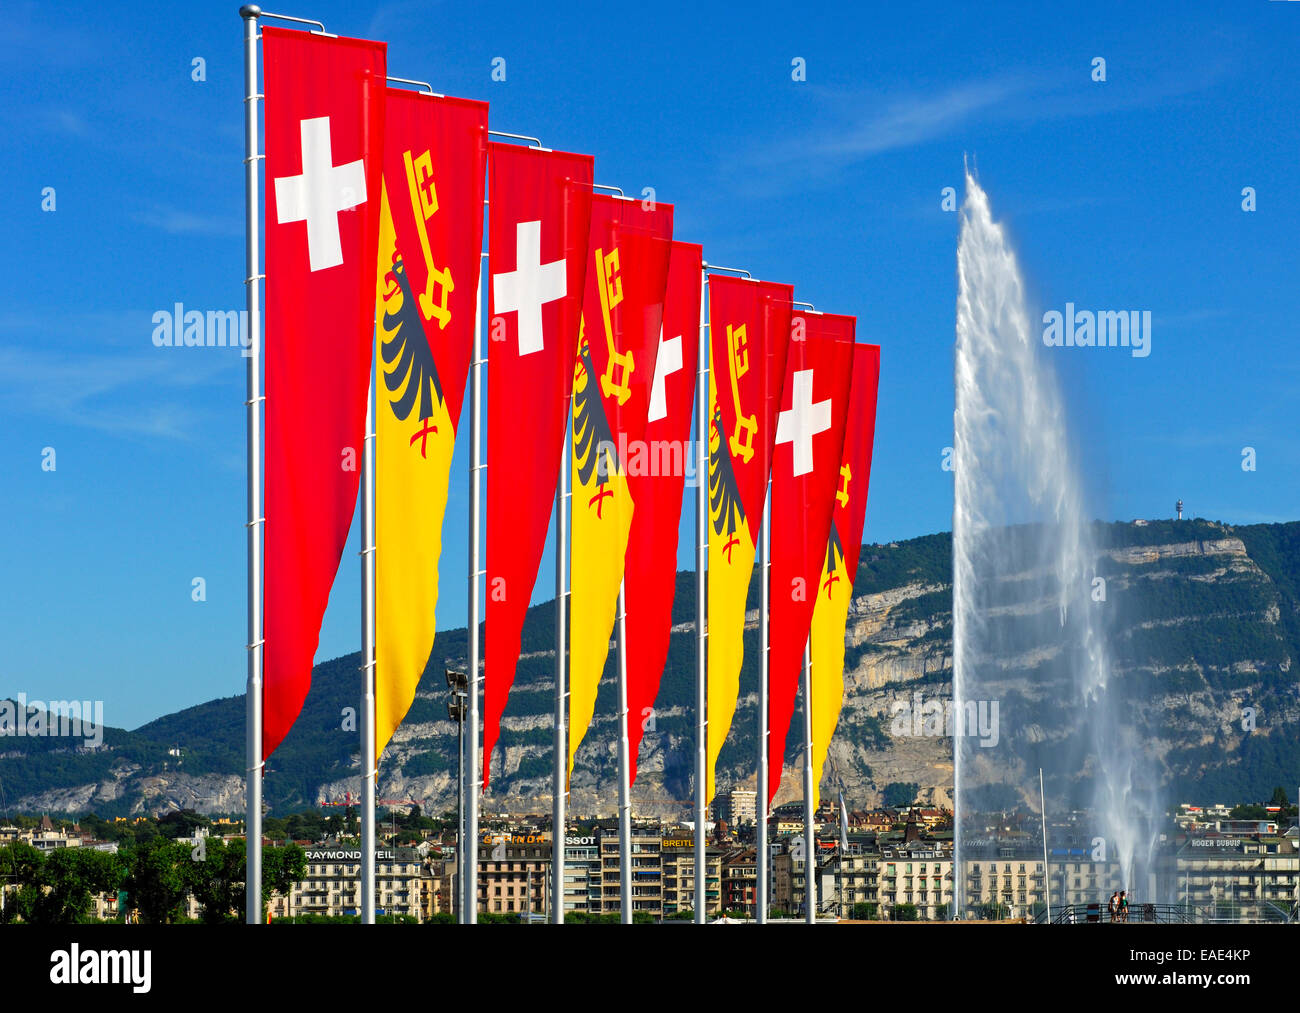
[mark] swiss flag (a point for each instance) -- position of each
(538, 225)
(324, 129)
(651, 560)
(805, 477)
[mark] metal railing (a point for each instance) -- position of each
(1149, 914)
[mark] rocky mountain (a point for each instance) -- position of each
(1204, 621)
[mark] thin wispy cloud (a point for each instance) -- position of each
(179, 222)
(123, 395)
(852, 129)
(909, 120)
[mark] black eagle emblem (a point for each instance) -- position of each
(593, 439)
(834, 550)
(408, 353)
(726, 508)
(834, 553)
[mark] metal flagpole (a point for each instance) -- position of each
(809, 833)
(810, 838)
(1047, 883)
(624, 773)
(369, 767)
(253, 356)
(624, 748)
(469, 859)
(454, 900)
(764, 775)
(561, 771)
(473, 788)
(701, 585)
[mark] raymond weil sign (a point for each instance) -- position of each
(318, 855)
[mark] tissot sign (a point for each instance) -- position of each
(537, 838)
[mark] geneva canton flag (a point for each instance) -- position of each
(430, 238)
(840, 565)
(749, 333)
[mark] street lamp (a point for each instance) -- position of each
(458, 711)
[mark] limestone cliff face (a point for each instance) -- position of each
(152, 794)
(1202, 628)
(899, 643)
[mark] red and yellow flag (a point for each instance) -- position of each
(324, 130)
(537, 246)
(749, 333)
(657, 481)
(840, 564)
(430, 237)
(805, 475)
(621, 317)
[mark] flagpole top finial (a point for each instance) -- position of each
(250, 11)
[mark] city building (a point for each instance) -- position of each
(331, 885)
(1225, 873)
(740, 881)
(738, 807)
(514, 873)
(677, 855)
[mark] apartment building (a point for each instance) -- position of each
(677, 855)
(738, 807)
(1228, 872)
(740, 881)
(332, 884)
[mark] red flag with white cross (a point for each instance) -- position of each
(324, 129)
(538, 223)
(651, 560)
(805, 476)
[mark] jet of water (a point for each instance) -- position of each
(1025, 630)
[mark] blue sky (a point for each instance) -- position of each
(1122, 194)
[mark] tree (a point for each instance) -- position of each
(281, 868)
(20, 870)
(69, 880)
(1279, 797)
(906, 913)
(863, 911)
(217, 882)
(899, 794)
(159, 879)
(181, 823)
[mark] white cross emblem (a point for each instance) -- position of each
(319, 194)
(530, 286)
(803, 421)
(667, 360)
